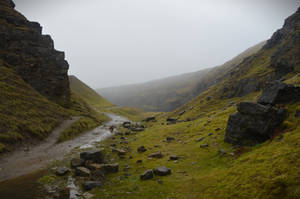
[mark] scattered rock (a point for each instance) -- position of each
(119, 133)
(126, 125)
(222, 152)
(162, 171)
(127, 133)
(113, 145)
(254, 123)
(156, 155)
(210, 134)
(96, 156)
(160, 181)
(217, 129)
(142, 149)
(124, 142)
(169, 139)
(204, 145)
(89, 185)
(147, 175)
(150, 119)
(119, 151)
(173, 157)
(139, 161)
(200, 139)
(181, 113)
(76, 162)
(62, 171)
(87, 195)
(82, 172)
(171, 120)
(279, 93)
(297, 114)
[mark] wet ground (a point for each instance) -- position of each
(20, 170)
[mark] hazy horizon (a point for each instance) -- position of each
(120, 42)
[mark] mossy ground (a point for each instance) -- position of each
(270, 170)
(24, 113)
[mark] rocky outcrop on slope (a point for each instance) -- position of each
(32, 55)
(279, 93)
(256, 122)
(287, 40)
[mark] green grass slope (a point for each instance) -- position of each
(266, 171)
(24, 113)
(170, 93)
(88, 94)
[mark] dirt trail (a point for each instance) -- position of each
(22, 162)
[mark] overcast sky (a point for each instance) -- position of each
(116, 42)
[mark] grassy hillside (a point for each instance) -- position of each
(217, 169)
(24, 113)
(88, 94)
(170, 93)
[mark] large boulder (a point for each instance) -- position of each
(254, 123)
(279, 93)
(95, 156)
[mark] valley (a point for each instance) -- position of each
(226, 132)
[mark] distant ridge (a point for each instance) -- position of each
(172, 92)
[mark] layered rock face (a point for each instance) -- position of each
(32, 55)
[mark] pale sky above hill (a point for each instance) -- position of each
(116, 42)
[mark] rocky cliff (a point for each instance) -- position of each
(31, 54)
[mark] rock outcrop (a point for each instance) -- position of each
(254, 123)
(32, 55)
(279, 93)
(287, 40)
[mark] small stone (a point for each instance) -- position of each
(139, 161)
(203, 145)
(127, 133)
(217, 129)
(82, 172)
(62, 171)
(210, 134)
(89, 185)
(127, 125)
(160, 181)
(173, 157)
(87, 195)
(120, 152)
(147, 175)
(162, 171)
(156, 155)
(181, 113)
(200, 139)
(76, 162)
(169, 139)
(113, 145)
(142, 149)
(221, 152)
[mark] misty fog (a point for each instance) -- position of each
(114, 42)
